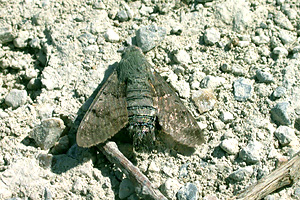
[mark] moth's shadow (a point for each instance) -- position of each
(76, 155)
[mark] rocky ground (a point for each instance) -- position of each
(245, 54)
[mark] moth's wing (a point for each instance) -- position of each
(106, 116)
(174, 118)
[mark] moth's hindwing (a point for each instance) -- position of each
(173, 116)
(106, 116)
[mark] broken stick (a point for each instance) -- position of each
(145, 188)
(286, 174)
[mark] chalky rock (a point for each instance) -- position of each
(16, 98)
(48, 132)
(212, 82)
(251, 154)
(280, 51)
(282, 21)
(22, 40)
(279, 92)
(280, 115)
(122, 16)
(6, 35)
(188, 192)
(264, 77)
(242, 89)
(170, 188)
(241, 174)
(126, 188)
(176, 30)
(211, 36)
(181, 57)
(226, 116)
(50, 78)
(204, 99)
(147, 37)
(111, 36)
(285, 135)
(230, 146)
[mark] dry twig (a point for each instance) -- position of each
(286, 174)
(144, 186)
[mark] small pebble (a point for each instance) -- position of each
(16, 98)
(280, 115)
(230, 146)
(242, 89)
(182, 57)
(297, 192)
(87, 38)
(188, 192)
(111, 36)
(204, 99)
(34, 84)
(210, 197)
(153, 167)
(211, 36)
(183, 171)
(218, 125)
(226, 67)
(212, 82)
(147, 37)
(285, 135)
(122, 16)
(264, 77)
(261, 39)
(45, 160)
(280, 51)
(50, 78)
(91, 49)
(22, 40)
(282, 21)
(170, 188)
(35, 43)
(6, 35)
(286, 37)
(279, 92)
(241, 174)
(251, 154)
(47, 194)
(126, 188)
(30, 73)
(176, 30)
(48, 132)
(226, 117)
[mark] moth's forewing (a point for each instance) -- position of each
(173, 116)
(106, 116)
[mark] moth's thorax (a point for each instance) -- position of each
(141, 113)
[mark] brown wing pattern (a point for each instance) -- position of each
(106, 116)
(173, 116)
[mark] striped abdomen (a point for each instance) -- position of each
(141, 113)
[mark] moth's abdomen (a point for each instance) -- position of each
(141, 113)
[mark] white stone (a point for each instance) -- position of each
(280, 51)
(226, 117)
(231, 146)
(285, 135)
(111, 36)
(153, 167)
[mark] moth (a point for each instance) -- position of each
(137, 98)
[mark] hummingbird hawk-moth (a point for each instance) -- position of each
(137, 97)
